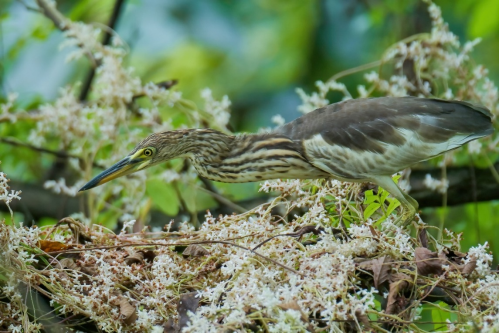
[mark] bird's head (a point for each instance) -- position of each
(156, 148)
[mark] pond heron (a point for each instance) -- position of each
(357, 140)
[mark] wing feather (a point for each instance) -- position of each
(363, 124)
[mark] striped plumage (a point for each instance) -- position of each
(355, 140)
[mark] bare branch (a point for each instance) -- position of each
(50, 11)
(61, 154)
(106, 40)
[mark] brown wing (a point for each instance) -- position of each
(371, 124)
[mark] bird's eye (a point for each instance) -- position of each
(148, 152)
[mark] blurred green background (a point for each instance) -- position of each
(257, 52)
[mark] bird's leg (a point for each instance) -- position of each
(408, 204)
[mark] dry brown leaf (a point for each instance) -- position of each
(428, 261)
(293, 305)
(89, 270)
(366, 265)
(454, 257)
(380, 267)
(53, 246)
(469, 267)
(195, 250)
(381, 270)
(127, 311)
(373, 231)
(188, 303)
(135, 258)
(363, 318)
(68, 263)
(170, 327)
(395, 302)
(423, 239)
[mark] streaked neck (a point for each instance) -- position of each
(248, 158)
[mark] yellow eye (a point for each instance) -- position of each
(148, 152)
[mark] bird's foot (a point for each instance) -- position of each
(406, 217)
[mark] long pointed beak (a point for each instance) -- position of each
(126, 166)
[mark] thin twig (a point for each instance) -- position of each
(60, 154)
(117, 9)
(172, 244)
(50, 11)
(307, 229)
(355, 70)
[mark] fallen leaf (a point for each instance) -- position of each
(170, 327)
(135, 258)
(127, 311)
(428, 262)
(52, 246)
(380, 267)
(395, 302)
(68, 263)
(373, 231)
(423, 239)
(381, 270)
(187, 303)
(195, 250)
(89, 270)
(469, 267)
(363, 318)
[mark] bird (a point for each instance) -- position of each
(356, 140)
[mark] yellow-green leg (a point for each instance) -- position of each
(409, 205)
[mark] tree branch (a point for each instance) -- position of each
(465, 185)
(106, 40)
(60, 154)
(49, 9)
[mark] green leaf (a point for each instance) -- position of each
(163, 196)
(394, 203)
(371, 209)
(383, 194)
(329, 197)
(439, 315)
(396, 177)
(369, 197)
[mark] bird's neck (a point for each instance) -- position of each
(250, 157)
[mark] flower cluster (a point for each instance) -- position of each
(246, 270)
(7, 195)
(218, 110)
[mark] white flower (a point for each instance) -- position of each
(482, 257)
(60, 186)
(440, 186)
(219, 110)
(278, 120)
